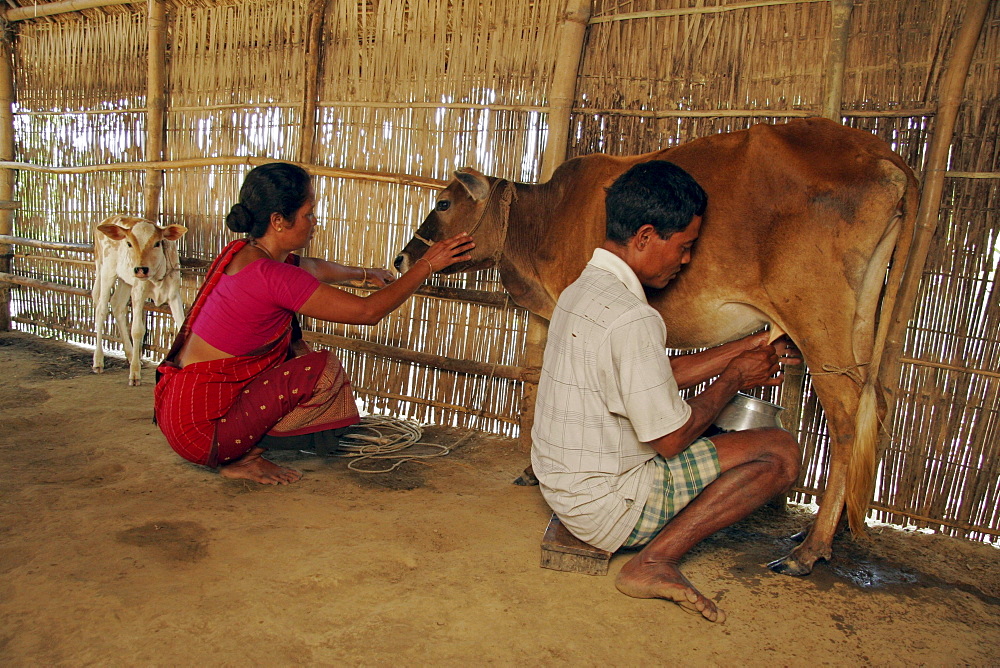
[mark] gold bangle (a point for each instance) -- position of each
(429, 265)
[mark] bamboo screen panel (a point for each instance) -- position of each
(236, 74)
(944, 459)
(653, 80)
(80, 101)
(647, 82)
(424, 88)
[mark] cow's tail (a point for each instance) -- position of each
(872, 402)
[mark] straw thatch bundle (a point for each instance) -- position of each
(383, 100)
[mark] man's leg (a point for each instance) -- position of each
(755, 466)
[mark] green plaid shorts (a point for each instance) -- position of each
(675, 482)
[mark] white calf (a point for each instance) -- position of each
(144, 256)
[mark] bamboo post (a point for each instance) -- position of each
(6, 175)
(310, 88)
(840, 32)
(952, 92)
(570, 35)
(156, 103)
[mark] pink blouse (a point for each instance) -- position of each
(247, 309)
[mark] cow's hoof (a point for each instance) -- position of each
(790, 566)
(527, 478)
(134, 382)
(98, 369)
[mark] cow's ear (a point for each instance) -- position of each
(111, 230)
(475, 183)
(174, 232)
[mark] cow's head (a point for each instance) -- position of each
(140, 245)
(473, 203)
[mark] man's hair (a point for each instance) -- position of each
(657, 193)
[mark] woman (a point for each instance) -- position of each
(238, 378)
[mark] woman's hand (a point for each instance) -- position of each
(447, 252)
(378, 277)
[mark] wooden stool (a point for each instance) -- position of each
(562, 551)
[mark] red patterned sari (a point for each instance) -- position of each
(216, 411)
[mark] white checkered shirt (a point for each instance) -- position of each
(606, 388)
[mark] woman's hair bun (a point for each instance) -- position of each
(239, 219)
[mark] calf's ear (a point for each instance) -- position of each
(475, 183)
(173, 232)
(111, 230)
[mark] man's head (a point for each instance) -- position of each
(656, 193)
(654, 217)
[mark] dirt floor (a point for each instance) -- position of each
(114, 551)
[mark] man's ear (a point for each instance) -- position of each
(643, 236)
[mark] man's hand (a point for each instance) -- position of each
(756, 367)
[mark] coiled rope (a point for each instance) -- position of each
(380, 437)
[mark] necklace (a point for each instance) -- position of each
(261, 249)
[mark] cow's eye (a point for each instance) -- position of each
(443, 205)
(128, 243)
(156, 245)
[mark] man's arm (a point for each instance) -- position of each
(756, 367)
(695, 368)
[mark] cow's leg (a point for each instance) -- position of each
(138, 332)
(101, 295)
(839, 396)
(119, 300)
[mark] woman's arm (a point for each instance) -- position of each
(332, 272)
(335, 305)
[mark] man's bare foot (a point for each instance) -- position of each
(252, 466)
(643, 578)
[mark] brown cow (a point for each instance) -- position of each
(802, 221)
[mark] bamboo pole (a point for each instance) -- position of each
(49, 245)
(952, 92)
(696, 113)
(65, 7)
(840, 32)
(6, 175)
(8, 278)
(318, 170)
(156, 104)
(310, 87)
(571, 35)
(427, 359)
(693, 11)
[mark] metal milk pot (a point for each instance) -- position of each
(746, 412)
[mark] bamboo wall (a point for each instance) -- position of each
(426, 86)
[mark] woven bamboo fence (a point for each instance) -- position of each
(162, 107)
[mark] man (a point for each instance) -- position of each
(614, 446)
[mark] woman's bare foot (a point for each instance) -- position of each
(252, 466)
(644, 578)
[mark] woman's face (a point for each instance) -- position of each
(303, 224)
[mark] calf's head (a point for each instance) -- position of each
(473, 203)
(140, 246)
